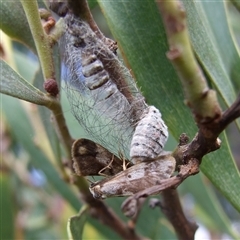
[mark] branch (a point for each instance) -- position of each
(61, 127)
(230, 115)
(80, 8)
(44, 49)
(202, 100)
(172, 208)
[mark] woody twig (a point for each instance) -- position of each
(183, 227)
(44, 50)
(202, 101)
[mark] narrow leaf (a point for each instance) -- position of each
(214, 46)
(14, 23)
(14, 85)
(7, 204)
(92, 3)
(208, 202)
(76, 224)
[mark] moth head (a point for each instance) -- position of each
(96, 192)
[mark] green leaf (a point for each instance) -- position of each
(141, 36)
(7, 230)
(14, 23)
(26, 65)
(14, 85)
(92, 3)
(76, 224)
(213, 44)
(214, 166)
(209, 205)
(23, 133)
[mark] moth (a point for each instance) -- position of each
(125, 179)
(136, 178)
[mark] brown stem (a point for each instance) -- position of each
(109, 218)
(230, 115)
(202, 100)
(61, 127)
(80, 8)
(172, 208)
(206, 140)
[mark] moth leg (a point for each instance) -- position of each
(108, 166)
(125, 166)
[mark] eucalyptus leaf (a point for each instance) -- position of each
(76, 224)
(14, 23)
(14, 85)
(208, 203)
(213, 44)
(7, 211)
(92, 3)
(221, 30)
(26, 64)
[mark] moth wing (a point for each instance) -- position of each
(136, 178)
(91, 159)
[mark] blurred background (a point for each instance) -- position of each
(36, 203)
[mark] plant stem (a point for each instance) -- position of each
(202, 100)
(172, 208)
(41, 40)
(44, 51)
(61, 129)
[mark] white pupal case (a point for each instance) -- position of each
(149, 137)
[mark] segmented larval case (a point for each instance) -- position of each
(149, 137)
(109, 107)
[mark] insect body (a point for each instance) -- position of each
(136, 178)
(149, 137)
